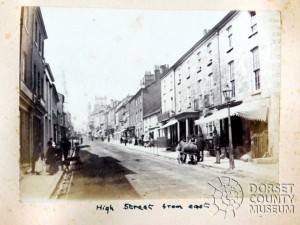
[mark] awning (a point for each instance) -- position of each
(254, 110)
(170, 123)
(120, 131)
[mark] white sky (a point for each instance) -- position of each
(105, 52)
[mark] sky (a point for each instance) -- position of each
(105, 52)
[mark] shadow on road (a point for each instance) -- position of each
(95, 166)
(101, 178)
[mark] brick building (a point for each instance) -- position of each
(143, 102)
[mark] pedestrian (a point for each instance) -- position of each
(37, 156)
(182, 155)
(50, 158)
(58, 156)
(125, 141)
(216, 144)
(53, 143)
(65, 146)
(200, 142)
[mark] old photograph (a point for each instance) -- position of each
(120, 104)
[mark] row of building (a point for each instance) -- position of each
(42, 111)
(240, 53)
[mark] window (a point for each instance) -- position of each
(33, 80)
(179, 100)
(231, 77)
(252, 13)
(256, 68)
(188, 73)
(179, 79)
(23, 67)
(36, 33)
(210, 86)
(188, 97)
(210, 81)
(253, 22)
(42, 87)
(39, 84)
(171, 103)
(210, 126)
(40, 43)
(199, 56)
(229, 31)
(254, 28)
(199, 69)
(209, 48)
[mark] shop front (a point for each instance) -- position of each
(249, 125)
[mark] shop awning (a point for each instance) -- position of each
(170, 123)
(120, 131)
(254, 110)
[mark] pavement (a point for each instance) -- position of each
(42, 187)
(265, 172)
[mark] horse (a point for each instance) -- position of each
(187, 148)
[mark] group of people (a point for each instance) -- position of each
(56, 155)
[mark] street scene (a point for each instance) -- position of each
(139, 108)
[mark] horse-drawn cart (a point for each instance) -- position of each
(188, 149)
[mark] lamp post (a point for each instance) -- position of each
(227, 95)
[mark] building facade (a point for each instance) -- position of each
(39, 111)
(32, 76)
(122, 118)
(145, 101)
(242, 53)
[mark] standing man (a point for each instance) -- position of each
(50, 158)
(216, 143)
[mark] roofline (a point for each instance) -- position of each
(55, 92)
(50, 72)
(63, 97)
(42, 21)
(209, 34)
(136, 94)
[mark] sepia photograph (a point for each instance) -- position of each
(135, 104)
(139, 113)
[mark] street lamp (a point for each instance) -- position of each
(227, 95)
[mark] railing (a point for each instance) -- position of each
(259, 144)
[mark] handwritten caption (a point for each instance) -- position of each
(148, 207)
